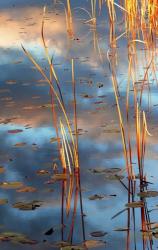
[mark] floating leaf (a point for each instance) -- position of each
(135, 204)
(114, 177)
(109, 173)
(15, 131)
(29, 107)
(148, 194)
(86, 96)
(111, 131)
(94, 243)
(11, 82)
(105, 170)
(99, 102)
(42, 172)
(20, 144)
(17, 62)
(96, 197)
(11, 185)
(59, 177)
(26, 190)
(16, 238)
(73, 247)
(97, 171)
(125, 229)
(101, 96)
(3, 201)
(61, 244)
(98, 234)
(2, 169)
(46, 106)
(27, 205)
